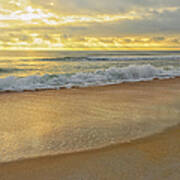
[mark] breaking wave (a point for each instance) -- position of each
(101, 77)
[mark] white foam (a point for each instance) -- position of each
(101, 77)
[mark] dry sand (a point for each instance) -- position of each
(152, 158)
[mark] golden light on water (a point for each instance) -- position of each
(60, 25)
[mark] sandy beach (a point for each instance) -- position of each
(155, 157)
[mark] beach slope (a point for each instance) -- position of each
(155, 156)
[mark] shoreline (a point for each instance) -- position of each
(105, 148)
(157, 156)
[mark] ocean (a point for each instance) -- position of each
(32, 70)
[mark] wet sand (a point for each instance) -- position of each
(150, 158)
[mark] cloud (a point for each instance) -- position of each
(163, 23)
(176, 40)
(158, 38)
(102, 6)
(99, 23)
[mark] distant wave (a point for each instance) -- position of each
(9, 70)
(105, 58)
(100, 77)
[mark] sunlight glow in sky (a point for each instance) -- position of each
(90, 24)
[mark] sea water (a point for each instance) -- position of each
(28, 70)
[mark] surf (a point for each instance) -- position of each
(112, 75)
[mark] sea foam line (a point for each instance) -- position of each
(100, 77)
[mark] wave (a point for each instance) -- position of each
(9, 70)
(100, 77)
(88, 149)
(105, 58)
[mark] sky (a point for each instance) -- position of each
(90, 24)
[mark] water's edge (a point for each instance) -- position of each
(106, 147)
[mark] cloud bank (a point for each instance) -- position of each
(90, 24)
